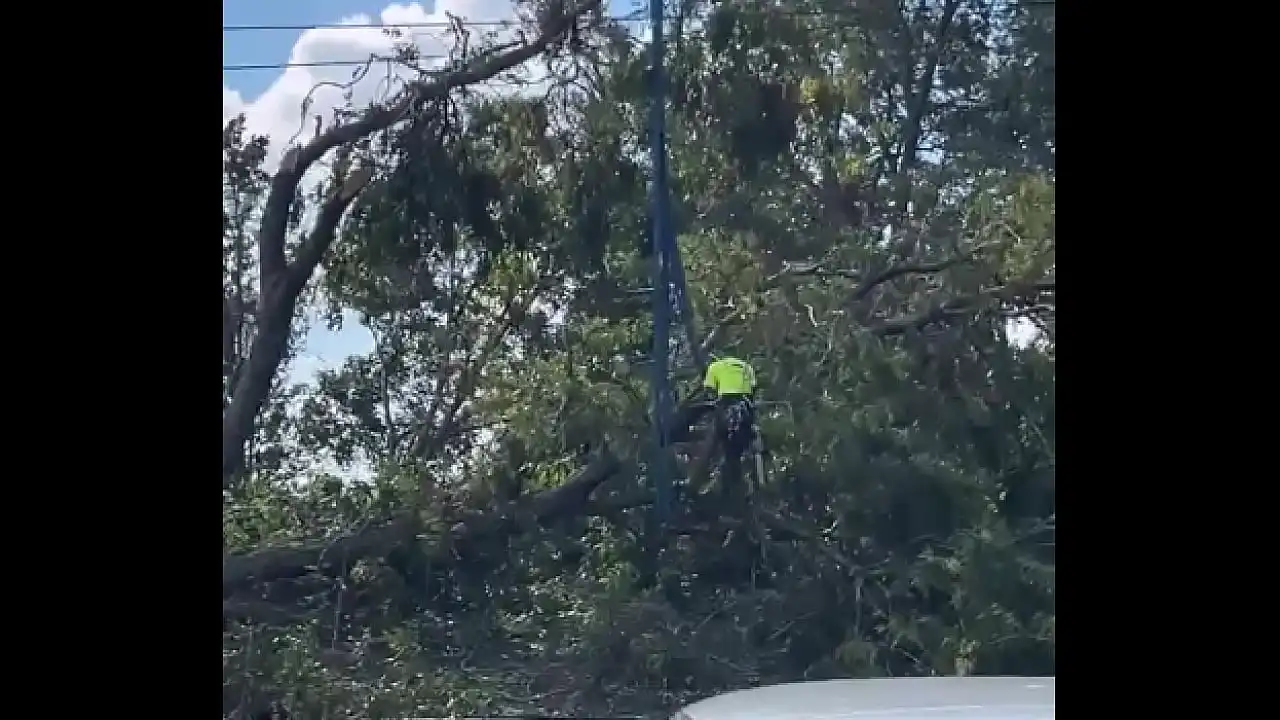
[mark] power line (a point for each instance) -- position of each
(319, 63)
(638, 16)
(367, 26)
(476, 23)
(434, 25)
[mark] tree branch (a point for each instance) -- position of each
(282, 283)
(920, 102)
(432, 436)
(325, 229)
(263, 612)
(275, 317)
(243, 570)
(868, 283)
(896, 271)
(298, 159)
(963, 305)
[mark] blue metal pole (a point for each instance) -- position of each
(685, 306)
(660, 391)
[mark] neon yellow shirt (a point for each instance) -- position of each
(730, 376)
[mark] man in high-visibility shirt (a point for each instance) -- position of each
(733, 383)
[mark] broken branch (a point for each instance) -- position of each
(330, 557)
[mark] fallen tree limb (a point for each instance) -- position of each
(279, 563)
(783, 529)
(331, 557)
(264, 613)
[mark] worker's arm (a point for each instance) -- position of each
(694, 407)
(700, 395)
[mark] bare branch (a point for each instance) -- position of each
(298, 159)
(429, 442)
(868, 283)
(920, 103)
(963, 306)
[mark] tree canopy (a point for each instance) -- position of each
(460, 522)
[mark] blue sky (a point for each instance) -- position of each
(274, 47)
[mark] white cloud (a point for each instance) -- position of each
(232, 104)
(277, 112)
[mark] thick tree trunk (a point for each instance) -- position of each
(275, 318)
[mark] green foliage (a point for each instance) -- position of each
(498, 257)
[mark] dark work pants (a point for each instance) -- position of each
(739, 415)
(737, 422)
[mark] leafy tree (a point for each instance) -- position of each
(865, 199)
